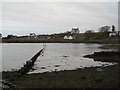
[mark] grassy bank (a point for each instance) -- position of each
(61, 40)
(82, 78)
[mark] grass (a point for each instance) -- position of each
(80, 38)
(81, 78)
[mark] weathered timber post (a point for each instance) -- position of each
(29, 64)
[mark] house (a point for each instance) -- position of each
(68, 37)
(74, 30)
(112, 34)
(32, 34)
(10, 36)
(65, 37)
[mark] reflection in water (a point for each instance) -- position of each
(76, 49)
(57, 56)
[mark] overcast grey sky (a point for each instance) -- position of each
(21, 18)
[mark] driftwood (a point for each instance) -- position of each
(29, 64)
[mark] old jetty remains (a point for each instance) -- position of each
(29, 64)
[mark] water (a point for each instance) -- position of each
(57, 56)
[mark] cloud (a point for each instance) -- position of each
(60, 0)
(51, 17)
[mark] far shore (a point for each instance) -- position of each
(62, 41)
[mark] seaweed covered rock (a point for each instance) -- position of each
(105, 56)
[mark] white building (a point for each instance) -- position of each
(75, 30)
(65, 37)
(112, 34)
(68, 37)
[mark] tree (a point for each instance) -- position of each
(89, 34)
(89, 31)
(104, 29)
(10, 36)
(113, 28)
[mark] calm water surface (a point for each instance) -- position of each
(56, 57)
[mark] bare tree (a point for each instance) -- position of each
(104, 29)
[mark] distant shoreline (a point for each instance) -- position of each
(62, 41)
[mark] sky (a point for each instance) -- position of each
(22, 18)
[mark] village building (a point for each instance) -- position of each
(65, 37)
(32, 34)
(10, 36)
(75, 30)
(68, 37)
(113, 32)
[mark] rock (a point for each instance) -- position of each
(43, 68)
(65, 56)
(57, 65)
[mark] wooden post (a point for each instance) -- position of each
(29, 64)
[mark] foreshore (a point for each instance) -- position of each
(92, 77)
